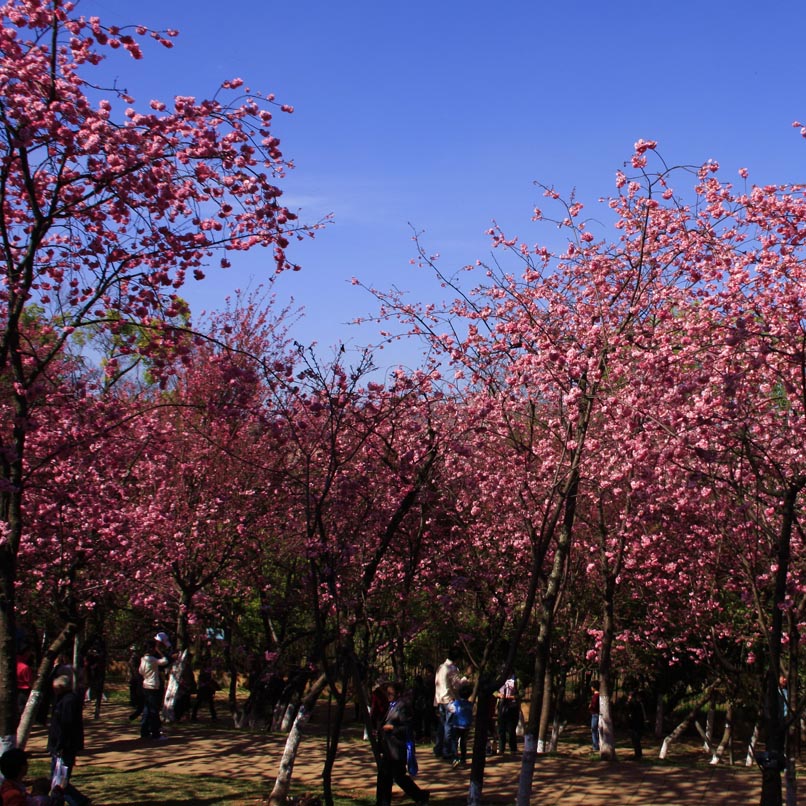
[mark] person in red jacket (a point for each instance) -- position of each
(13, 766)
(13, 792)
(25, 678)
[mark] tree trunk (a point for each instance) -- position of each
(543, 650)
(773, 762)
(42, 680)
(679, 730)
(750, 758)
(559, 699)
(793, 733)
(478, 761)
(659, 716)
(771, 787)
(11, 500)
(182, 624)
(332, 748)
(229, 662)
(363, 700)
(607, 733)
(710, 718)
(8, 648)
(727, 735)
(545, 713)
(791, 783)
(282, 784)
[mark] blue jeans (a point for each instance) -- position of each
(150, 726)
(595, 731)
(444, 743)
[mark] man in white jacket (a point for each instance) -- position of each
(446, 681)
(152, 665)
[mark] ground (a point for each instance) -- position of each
(194, 754)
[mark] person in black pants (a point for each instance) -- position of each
(509, 710)
(392, 737)
(635, 723)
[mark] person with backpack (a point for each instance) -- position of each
(460, 719)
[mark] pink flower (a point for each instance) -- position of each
(645, 145)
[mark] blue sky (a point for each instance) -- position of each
(441, 115)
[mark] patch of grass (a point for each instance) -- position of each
(107, 786)
(113, 787)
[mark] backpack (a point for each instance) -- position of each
(463, 713)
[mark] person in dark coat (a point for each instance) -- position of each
(205, 692)
(395, 731)
(66, 733)
(635, 723)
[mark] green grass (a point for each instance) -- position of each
(107, 786)
(110, 787)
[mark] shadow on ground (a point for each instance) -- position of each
(211, 755)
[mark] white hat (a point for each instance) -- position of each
(162, 637)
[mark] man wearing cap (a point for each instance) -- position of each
(152, 664)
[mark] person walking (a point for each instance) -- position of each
(205, 692)
(152, 667)
(66, 737)
(135, 684)
(460, 717)
(25, 678)
(393, 736)
(635, 723)
(445, 682)
(508, 713)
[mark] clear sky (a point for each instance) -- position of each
(441, 114)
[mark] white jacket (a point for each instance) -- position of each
(150, 670)
(445, 682)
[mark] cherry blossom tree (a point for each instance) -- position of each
(204, 467)
(565, 341)
(71, 544)
(740, 416)
(105, 212)
(358, 462)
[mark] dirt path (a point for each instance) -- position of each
(571, 779)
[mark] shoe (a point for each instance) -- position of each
(455, 763)
(425, 798)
